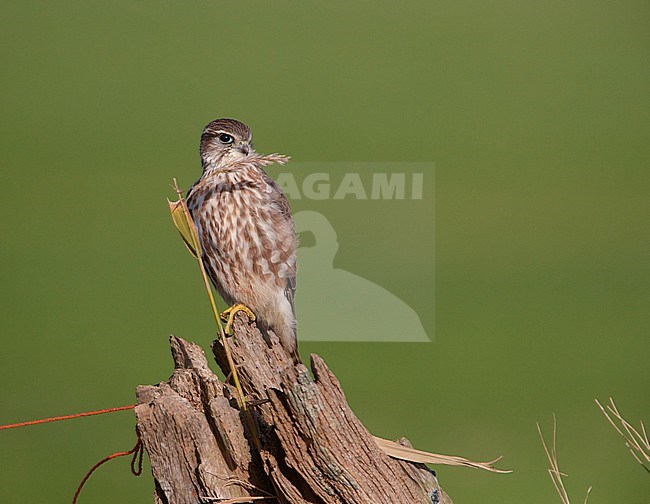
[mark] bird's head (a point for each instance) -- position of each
(225, 141)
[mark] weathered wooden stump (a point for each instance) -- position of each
(310, 447)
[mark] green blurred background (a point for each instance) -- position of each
(536, 115)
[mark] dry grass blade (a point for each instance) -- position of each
(268, 159)
(185, 225)
(398, 451)
(554, 467)
(191, 240)
(635, 440)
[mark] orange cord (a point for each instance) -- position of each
(137, 452)
(66, 417)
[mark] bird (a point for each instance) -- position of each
(246, 230)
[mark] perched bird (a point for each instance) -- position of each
(246, 230)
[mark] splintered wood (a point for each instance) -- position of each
(305, 445)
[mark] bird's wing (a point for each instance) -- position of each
(280, 200)
(278, 197)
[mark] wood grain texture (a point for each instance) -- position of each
(312, 448)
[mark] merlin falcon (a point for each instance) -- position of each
(246, 230)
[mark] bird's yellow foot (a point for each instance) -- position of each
(228, 315)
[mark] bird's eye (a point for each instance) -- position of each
(226, 138)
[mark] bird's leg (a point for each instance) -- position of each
(228, 315)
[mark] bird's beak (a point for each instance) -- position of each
(244, 148)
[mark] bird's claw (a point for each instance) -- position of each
(228, 315)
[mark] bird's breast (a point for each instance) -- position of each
(242, 232)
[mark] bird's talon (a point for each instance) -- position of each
(224, 314)
(228, 316)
